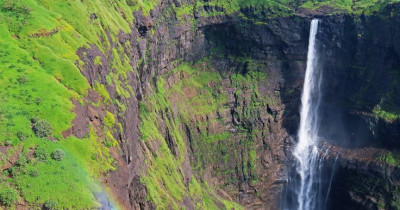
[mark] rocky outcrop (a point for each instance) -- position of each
(364, 178)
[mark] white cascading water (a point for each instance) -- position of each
(306, 150)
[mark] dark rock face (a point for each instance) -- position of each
(362, 180)
(361, 64)
(361, 60)
(282, 43)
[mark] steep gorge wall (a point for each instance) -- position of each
(254, 107)
(361, 64)
(238, 145)
(360, 107)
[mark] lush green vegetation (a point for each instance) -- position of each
(41, 128)
(247, 85)
(39, 77)
(275, 8)
(281, 8)
(391, 159)
(195, 99)
(8, 195)
(349, 6)
(164, 180)
(386, 114)
(70, 170)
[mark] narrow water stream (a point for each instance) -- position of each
(309, 183)
(306, 151)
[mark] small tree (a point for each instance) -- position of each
(13, 171)
(50, 205)
(58, 155)
(42, 128)
(33, 172)
(41, 154)
(22, 79)
(8, 143)
(21, 135)
(21, 161)
(38, 100)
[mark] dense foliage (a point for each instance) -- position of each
(42, 128)
(8, 196)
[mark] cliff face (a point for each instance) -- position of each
(208, 107)
(361, 63)
(248, 125)
(195, 103)
(360, 109)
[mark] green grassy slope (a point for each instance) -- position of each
(350, 6)
(279, 8)
(39, 75)
(38, 79)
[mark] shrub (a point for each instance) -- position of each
(21, 135)
(58, 155)
(50, 205)
(22, 79)
(33, 172)
(21, 161)
(34, 119)
(8, 196)
(16, 6)
(38, 100)
(8, 143)
(131, 3)
(109, 120)
(41, 154)
(13, 171)
(42, 128)
(97, 61)
(9, 5)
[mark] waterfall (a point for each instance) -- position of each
(311, 174)
(306, 151)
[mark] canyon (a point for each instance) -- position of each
(199, 105)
